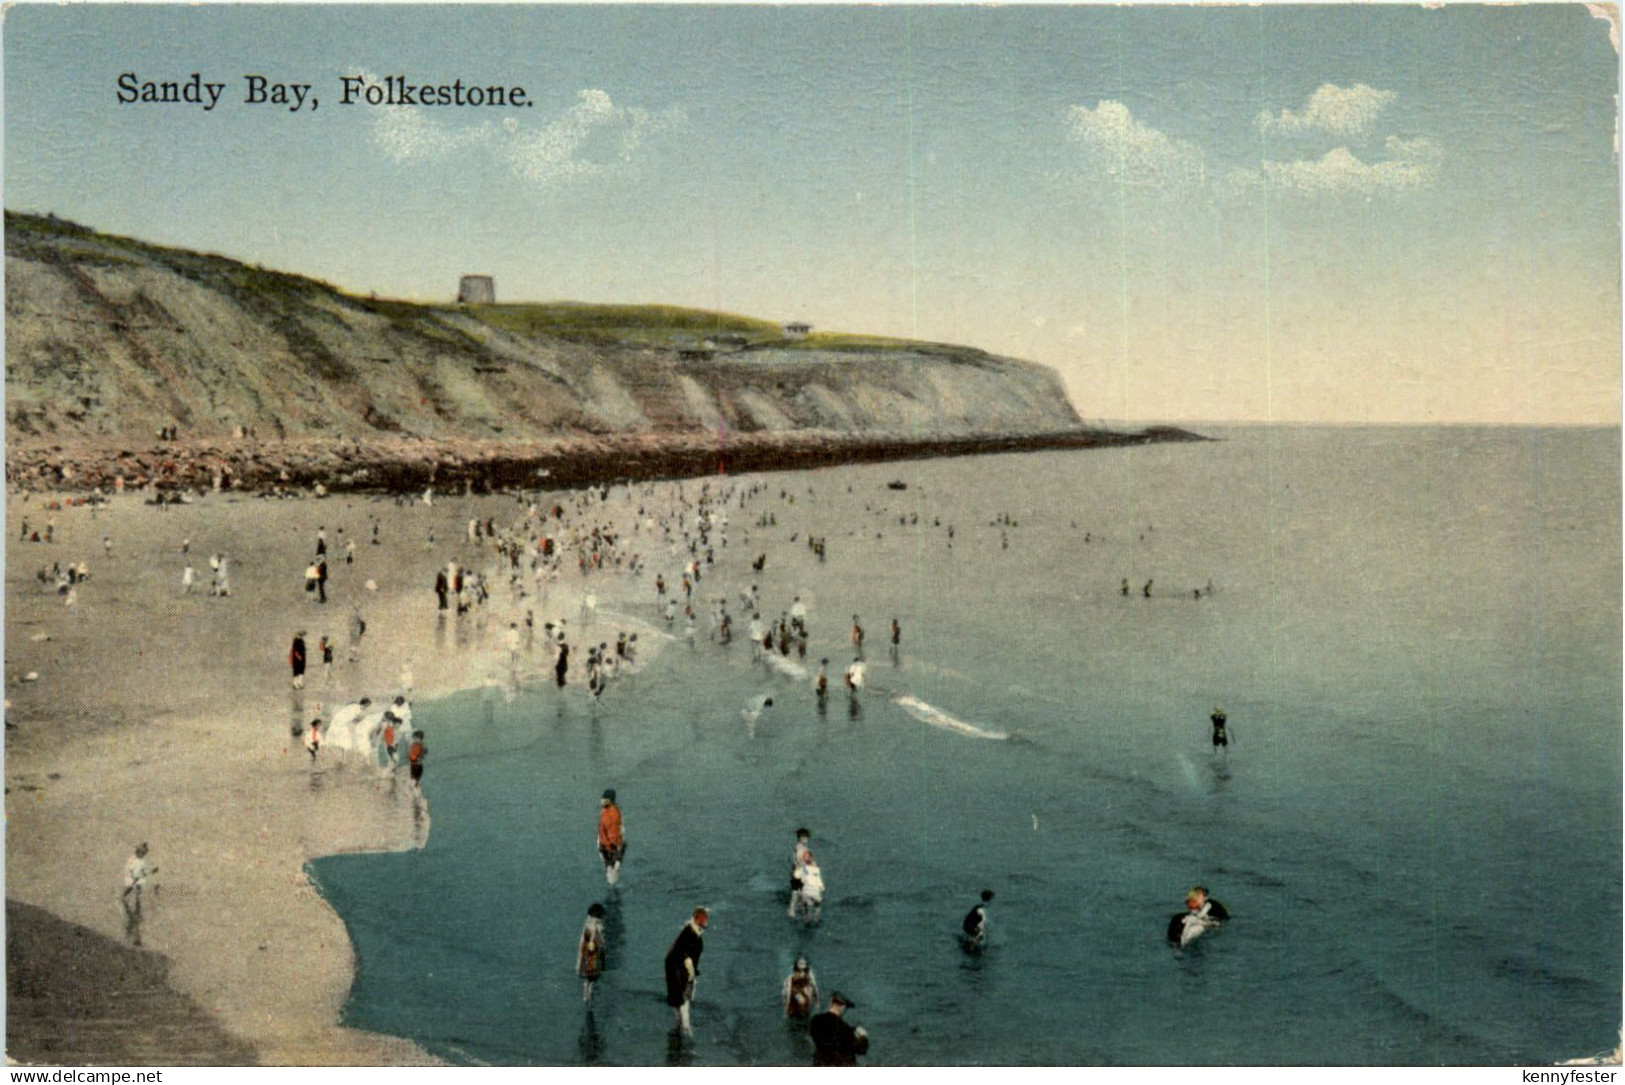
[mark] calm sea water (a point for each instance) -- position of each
(1415, 633)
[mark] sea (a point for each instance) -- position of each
(1415, 634)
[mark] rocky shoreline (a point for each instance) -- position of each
(395, 465)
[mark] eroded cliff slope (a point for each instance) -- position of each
(111, 339)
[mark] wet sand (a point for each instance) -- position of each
(166, 718)
(77, 997)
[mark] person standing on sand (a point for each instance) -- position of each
(358, 629)
(403, 712)
(390, 738)
(321, 579)
(590, 950)
(857, 637)
(414, 757)
(611, 837)
(188, 577)
(441, 587)
(137, 872)
(683, 967)
(315, 742)
(326, 647)
(296, 659)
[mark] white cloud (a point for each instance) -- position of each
(1347, 113)
(1130, 152)
(592, 137)
(1125, 150)
(406, 134)
(1411, 165)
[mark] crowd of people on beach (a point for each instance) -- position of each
(510, 572)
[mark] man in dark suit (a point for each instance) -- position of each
(836, 1043)
(683, 967)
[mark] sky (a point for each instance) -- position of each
(1343, 214)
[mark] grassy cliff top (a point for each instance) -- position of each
(641, 325)
(653, 326)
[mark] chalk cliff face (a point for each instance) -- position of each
(109, 338)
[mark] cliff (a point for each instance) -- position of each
(111, 339)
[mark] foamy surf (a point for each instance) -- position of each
(632, 624)
(789, 668)
(936, 717)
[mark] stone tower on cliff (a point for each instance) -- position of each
(476, 290)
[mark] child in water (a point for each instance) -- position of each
(590, 952)
(800, 990)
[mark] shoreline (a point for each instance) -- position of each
(164, 717)
(194, 752)
(399, 465)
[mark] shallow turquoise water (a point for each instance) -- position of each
(1415, 633)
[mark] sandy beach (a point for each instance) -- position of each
(166, 718)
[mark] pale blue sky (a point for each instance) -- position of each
(1294, 213)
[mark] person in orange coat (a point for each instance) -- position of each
(414, 757)
(611, 838)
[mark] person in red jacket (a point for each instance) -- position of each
(611, 837)
(414, 757)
